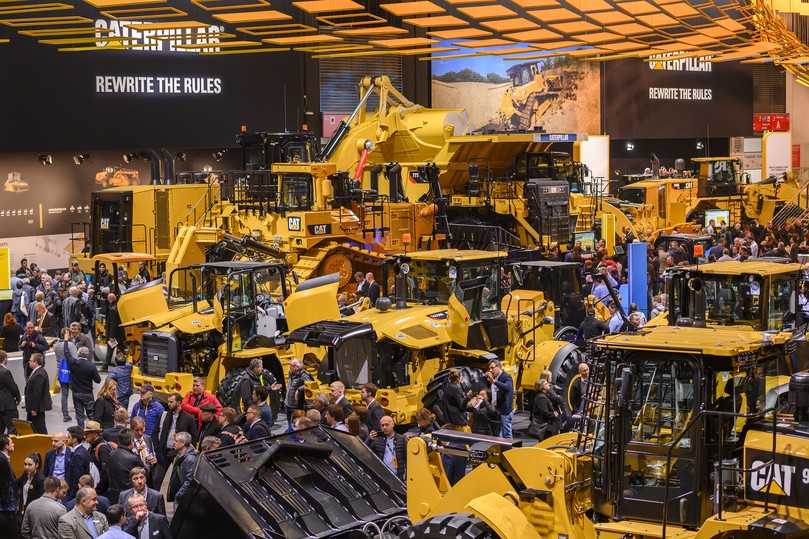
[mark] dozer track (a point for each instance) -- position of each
(334, 257)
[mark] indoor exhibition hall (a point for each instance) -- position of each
(404, 269)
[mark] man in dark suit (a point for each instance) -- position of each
(375, 410)
(254, 427)
(173, 420)
(338, 394)
(390, 447)
(122, 460)
(372, 290)
(579, 389)
(79, 459)
(146, 523)
(154, 499)
(37, 394)
(9, 396)
(60, 463)
(9, 497)
(31, 342)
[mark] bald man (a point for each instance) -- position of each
(390, 447)
(57, 463)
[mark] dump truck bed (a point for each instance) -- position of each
(308, 484)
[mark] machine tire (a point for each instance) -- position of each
(450, 526)
(471, 379)
(566, 333)
(565, 369)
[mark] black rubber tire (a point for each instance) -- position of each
(566, 333)
(450, 526)
(471, 379)
(565, 370)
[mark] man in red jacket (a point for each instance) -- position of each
(197, 397)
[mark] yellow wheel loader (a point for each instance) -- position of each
(682, 433)
(214, 318)
(448, 313)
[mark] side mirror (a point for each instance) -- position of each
(625, 392)
(194, 292)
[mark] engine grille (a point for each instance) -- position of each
(156, 356)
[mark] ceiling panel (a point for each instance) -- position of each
(327, 6)
(510, 25)
(533, 35)
(252, 16)
(554, 14)
(491, 11)
(441, 21)
(405, 9)
(460, 33)
(402, 42)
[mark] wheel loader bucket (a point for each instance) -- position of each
(307, 484)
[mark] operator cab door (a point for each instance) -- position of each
(663, 400)
(238, 301)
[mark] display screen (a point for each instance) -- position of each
(719, 217)
(587, 240)
(681, 98)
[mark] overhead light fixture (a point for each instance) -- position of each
(630, 146)
(218, 156)
(181, 156)
(80, 158)
(700, 145)
(128, 157)
(46, 160)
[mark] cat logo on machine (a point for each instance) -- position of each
(294, 224)
(320, 230)
(779, 481)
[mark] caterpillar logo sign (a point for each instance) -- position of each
(788, 477)
(660, 62)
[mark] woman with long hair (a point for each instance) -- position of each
(106, 404)
(31, 483)
(10, 332)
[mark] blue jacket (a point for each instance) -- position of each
(505, 393)
(123, 375)
(151, 414)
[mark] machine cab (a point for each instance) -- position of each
(559, 282)
(718, 176)
(761, 295)
(245, 297)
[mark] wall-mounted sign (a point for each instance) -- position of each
(770, 122)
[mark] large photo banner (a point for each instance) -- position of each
(674, 97)
(555, 94)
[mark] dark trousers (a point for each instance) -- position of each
(83, 403)
(158, 471)
(9, 525)
(6, 421)
(65, 393)
(37, 422)
(454, 467)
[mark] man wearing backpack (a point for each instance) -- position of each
(295, 398)
(257, 376)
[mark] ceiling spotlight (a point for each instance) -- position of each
(128, 157)
(46, 160)
(218, 156)
(181, 156)
(700, 145)
(630, 146)
(80, 158)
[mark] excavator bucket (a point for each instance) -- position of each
(307, 484)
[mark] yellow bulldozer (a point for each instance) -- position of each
(683, 432)
(449, 312)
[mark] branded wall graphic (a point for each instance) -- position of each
(554, 94)
(674, 97)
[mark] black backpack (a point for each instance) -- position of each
(228, 391)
